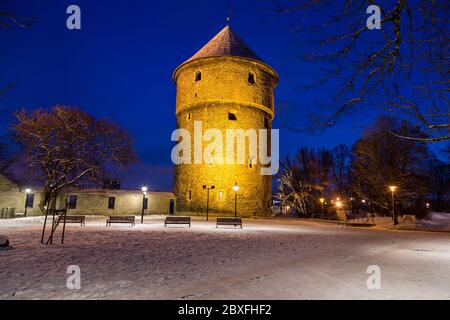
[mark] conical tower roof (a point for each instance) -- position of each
(225, 43)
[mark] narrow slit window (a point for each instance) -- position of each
(266, 123)
(232, 116)
(190, 195)
(251, 78)
(198, 76)
(188, 116)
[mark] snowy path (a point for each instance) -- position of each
(268, 259)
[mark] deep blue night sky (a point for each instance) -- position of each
(120, 65)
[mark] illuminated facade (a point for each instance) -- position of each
(225, 85)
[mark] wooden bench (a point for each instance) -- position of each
(177, 220)
(72, 219)
(120, 219)
(229, 222)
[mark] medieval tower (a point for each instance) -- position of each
(225, 85)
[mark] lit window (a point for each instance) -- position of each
(251, 78)
(220, 196)
(198, 76)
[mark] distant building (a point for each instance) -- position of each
(13, 198)
(225, 85)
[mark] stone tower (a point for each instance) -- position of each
(225, 85)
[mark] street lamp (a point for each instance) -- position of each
(207, 198)
(144, 191)
(394, 218)
(27, 191)
(338, 204)
(322, 201)
(235, 189)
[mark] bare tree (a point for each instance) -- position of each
(67, 147)
(403, 66)
(10, 19)
(303, 178)
(380, 160)
(340, 169)
(438, 173)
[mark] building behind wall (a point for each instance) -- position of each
(13, 196)
(86, 201)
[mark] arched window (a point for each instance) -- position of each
(232, 115)
(251, 78)
(198, 76)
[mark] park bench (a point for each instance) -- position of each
(177, 220)
(229, 222)
(72, 219)
(120, 219)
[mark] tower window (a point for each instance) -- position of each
(188, 116)
(190, 195)
(251, 78)
(220, 196)
(232, 115)
(198, 76)
(250, 163)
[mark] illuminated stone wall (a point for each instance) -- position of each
(89, 201)
(224, 87)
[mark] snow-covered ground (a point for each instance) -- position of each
(435, 221)
(267, 259)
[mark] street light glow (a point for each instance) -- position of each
(144, 188)
(338, 204)
(322, 200)
(27, 190)
(392, 188)
(236, 188)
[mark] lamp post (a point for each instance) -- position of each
(394, 217)
(207, 198)
(235, 189)
(322, 201)
(144, 191)
(27, 191)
